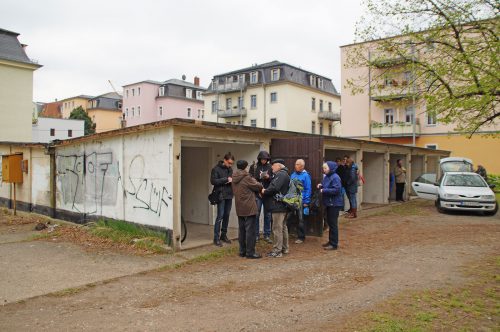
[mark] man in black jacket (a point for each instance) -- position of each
(221, 179)
(262, 172)
(280, 183)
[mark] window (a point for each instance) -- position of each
(160, 110)
(274, 97)
(313, 127)
(126, 112)
(189, 93)
(407, 78)
(214, 106)
(199, 95)
(214, 85)
(321, 105)
(431, 146)
(70, 133)
(313, 104)
(253, 101)
(133, 111)
(330, 130)
(241, 79)
(409, 114)
(202, 114)
(240, 103)
(431, 119)
(389, 115)
(312, 80)
(275, 74)
(254, 77)
(253, 123)
(329, 107)
(229, 103)
(138, 91)
(138, 110)
(274, 123)
(199, 114)
(52, 132)
(320, 83)
(388, 81)
(321, 128)
(133, 92)
(161, 92)
(126, 93)
(189, 112)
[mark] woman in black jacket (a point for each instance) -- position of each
(221, 179)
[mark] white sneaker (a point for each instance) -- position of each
(298, 241)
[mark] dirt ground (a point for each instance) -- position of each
(380, 256)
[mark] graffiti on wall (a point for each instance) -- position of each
(94, 180)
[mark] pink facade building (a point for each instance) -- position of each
(150, 101)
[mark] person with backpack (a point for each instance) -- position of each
(279, 185)
(333, 202)
(262, 172)
(221, 179)
(303, 176)
(244, 188)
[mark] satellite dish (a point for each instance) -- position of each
(183, 77)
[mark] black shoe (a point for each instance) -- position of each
(242, 254)
(224, 239)
(217, 243)
(254, 256)
(330, 247)
(325, 244)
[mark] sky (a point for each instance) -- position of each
(83, 44)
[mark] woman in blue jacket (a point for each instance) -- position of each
(331, 190)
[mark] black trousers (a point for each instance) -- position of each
(246, 235)
(400, 189)
(332, 218)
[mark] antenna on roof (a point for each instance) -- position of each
(183, 77)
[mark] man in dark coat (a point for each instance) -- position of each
(280, 183)
(244, 188)
(262, 172)
(221, 179)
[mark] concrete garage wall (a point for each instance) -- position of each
(194, 179)
(373, 172)
(121, 177)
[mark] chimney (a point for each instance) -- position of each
(196, 81)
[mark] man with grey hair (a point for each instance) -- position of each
(280, 183)
(301, 175)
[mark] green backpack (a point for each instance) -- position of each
(293, 198)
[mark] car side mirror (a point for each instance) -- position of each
(492, 186)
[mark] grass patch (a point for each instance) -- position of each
(472, 307)
(416, 207)
(498, 197)
(127, 233)
(208, 257)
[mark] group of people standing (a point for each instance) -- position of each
(258, 190)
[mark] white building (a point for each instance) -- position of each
(49, 129)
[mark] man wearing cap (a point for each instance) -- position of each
(279, 185)
(244, 189)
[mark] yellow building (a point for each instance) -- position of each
(69, 104)
(16, 89)
(106, 111)
(391, 110)
(275, 95)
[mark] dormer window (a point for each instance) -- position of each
(189, 93)
(161, 92)
(275, 74)
(312, 80)
(320, 83)
(199, 95)
(214, 85)
(254, 77)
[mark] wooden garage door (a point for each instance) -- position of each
(311, 150)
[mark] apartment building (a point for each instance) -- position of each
(390, 109)
(69, 104)
(16, 89)
(106, 111)
(151, 101)
(275, 95)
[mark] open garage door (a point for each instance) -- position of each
(311, 150)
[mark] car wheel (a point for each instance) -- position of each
(438, 206)
(492, 213)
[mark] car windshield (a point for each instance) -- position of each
(429, 178)
(456, 166)
(464, 180)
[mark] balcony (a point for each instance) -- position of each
(397, 90)
(329, 116)
(232, 113)
(398, 129)
(392, 61)
(230, 87)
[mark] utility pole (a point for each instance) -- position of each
(369, 96)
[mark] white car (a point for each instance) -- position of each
(464, 191)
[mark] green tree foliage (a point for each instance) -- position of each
(80, 114)
(450, 47)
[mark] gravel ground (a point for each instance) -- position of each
(379, 256)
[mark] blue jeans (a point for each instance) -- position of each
(223, 211)
(353, 203)
(267, 219)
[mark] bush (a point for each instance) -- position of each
(494, 179)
